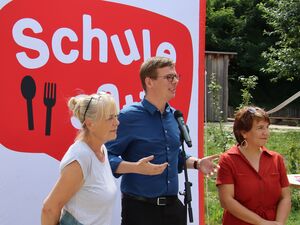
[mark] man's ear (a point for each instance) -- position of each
(148, 82)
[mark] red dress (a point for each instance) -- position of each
(257, 191)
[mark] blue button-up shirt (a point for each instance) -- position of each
(145, 131)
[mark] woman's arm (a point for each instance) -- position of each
(226, 195)
(69, 182)
(284, 205)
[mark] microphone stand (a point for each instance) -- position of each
(187, 185)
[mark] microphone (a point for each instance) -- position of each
(183, 127)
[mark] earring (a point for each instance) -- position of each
(244, 144)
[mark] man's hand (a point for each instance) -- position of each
(208, 166)
(145, 167)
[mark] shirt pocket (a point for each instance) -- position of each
(273, 180)
(274, 176)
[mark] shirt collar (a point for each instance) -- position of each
(152, 109)
(235, 151)
(268, 152)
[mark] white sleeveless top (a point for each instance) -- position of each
(93, 203)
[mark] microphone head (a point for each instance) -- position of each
(178, 114)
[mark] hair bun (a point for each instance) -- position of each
(72, 103)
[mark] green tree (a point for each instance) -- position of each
(238, 26)
(242, 26)
(283, 58)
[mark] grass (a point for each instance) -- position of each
(286, 142)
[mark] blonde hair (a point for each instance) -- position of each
(93, 107)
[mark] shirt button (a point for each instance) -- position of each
(169, 182)
(166, 131)
(168, 148)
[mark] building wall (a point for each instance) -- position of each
(216, 64)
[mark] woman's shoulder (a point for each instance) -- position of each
(79, 148)
(233, 150)
(231, 155)
(77, 151)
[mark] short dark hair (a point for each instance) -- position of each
(244, 120)
(150, 66)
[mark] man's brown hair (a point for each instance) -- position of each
(150, 66)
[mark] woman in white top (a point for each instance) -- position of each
(85, 191)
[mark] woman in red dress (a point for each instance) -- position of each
(252, 181)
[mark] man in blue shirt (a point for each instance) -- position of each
(147, 151)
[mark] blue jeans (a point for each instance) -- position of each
(68, 219)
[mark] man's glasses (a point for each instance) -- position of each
(170, 77)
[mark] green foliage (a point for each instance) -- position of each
(214, 89)
(212, 204)
(219, 135)
(294, 217)
(293, 158)
(238, 26)
(290, 149)
(248, 83)
(222, 138)
(265, 35)
(283, 58)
